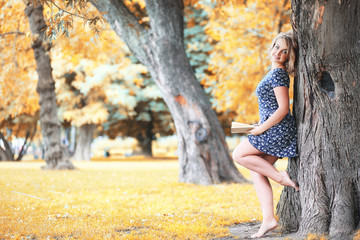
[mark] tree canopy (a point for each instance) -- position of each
(243, 32)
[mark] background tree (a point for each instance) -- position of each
(152, 116)
(203, 154)
(150, 120)
(49, 122)
(326, 103)
(84, 66)
(158, 44)
(22, 126)
(19, 100)
(108, 87)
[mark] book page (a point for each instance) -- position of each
(237, 127)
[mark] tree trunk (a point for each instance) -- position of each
(7, 153)
(83, 144)
(326, 103)
(29, 137)
(203, 153)
(145, 144)
(145, 138)
(49, 122)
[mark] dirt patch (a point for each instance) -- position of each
(245, 230)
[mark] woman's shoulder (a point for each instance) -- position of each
(279, 72)
(279, 77)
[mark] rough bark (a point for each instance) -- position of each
(289, 208)
(83, 144)
(49, 122)
(327, 103)
(203, 153)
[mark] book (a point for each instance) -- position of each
(237, 127)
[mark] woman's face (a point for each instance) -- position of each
(279, 53)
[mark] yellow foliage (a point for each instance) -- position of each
(84, 52)
(92, 113)
(311, 236)
(357, 235)
(238, 63)
(119, 200)
(17, 64)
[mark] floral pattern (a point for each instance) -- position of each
(280, 140)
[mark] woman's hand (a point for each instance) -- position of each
(255, 131)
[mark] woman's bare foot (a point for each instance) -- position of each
(286, 181)
(266, 227)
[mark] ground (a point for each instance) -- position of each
(245, 230)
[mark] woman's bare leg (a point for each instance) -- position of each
(261, 167)
(251, 158)
(265, 195)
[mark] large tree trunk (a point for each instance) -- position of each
(203, 154)
(83, 144)
(327, 104)
(49, 122)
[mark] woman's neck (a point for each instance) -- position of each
(277, 65)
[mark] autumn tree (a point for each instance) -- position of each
(99, 83)
(152, 116)
(49, 122)
(19, 100)
(203, 154)
(243, 31)
(158, 42)
(150, 119)
(326, 103)
(17, 84)
(84, 68)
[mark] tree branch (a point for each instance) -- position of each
(167, 18)
(72, 14)
(26, 145)
(126, 26)
(8, 150)
(8, 33)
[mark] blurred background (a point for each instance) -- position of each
(108, 105)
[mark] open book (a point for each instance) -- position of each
(237, 127)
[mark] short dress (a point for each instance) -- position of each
(281, 139)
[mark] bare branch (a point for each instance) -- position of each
(8, 33)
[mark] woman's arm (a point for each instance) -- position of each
(282, 98)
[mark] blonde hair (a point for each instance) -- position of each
(292, 44)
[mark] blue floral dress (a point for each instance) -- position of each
(280, 139)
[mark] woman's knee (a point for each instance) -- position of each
(238, 156)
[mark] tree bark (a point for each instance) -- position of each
(326, 103)
(289, 207)
(49, 122)
(203, 154)
(7, 153)
(83, 144)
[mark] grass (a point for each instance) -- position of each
(119, 200)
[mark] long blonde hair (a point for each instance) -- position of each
(292, 44)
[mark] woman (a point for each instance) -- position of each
(275, 136)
